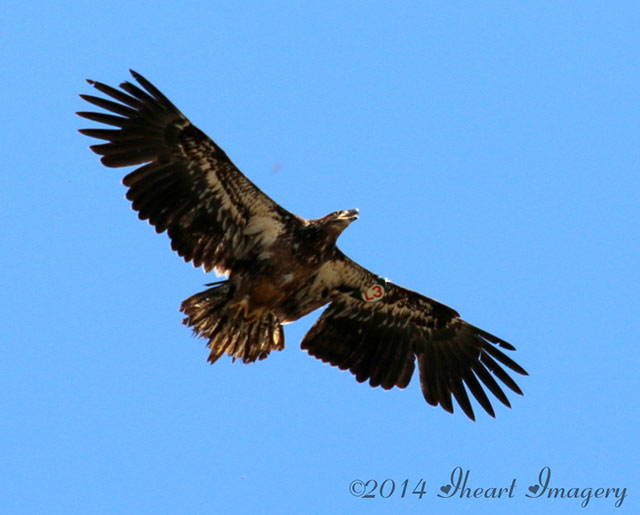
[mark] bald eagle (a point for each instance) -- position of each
(281, 267)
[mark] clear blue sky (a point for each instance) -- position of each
(493, 151)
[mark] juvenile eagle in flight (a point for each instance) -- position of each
(281, 267)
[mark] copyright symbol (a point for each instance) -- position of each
(356, 488)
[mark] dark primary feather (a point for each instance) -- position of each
(380, 342)
(187, 185)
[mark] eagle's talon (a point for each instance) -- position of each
(240, 308)
(254, 316)
(243, 309)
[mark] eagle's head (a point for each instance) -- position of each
(334, 223)
(341, 218)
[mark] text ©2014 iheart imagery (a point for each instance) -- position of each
(460, 487)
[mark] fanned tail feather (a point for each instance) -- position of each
(208, 314)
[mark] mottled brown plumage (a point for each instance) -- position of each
(281, 267)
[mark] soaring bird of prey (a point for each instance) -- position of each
(280, 267)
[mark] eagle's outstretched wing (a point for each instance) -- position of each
(377, 330)
(214, 215)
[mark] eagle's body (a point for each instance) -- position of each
(286, 277)
(281, 267)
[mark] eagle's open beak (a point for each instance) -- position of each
(349, 214)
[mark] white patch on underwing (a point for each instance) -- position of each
(265, 228)
(218, 189)
(328, 276)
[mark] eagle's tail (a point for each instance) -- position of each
(211, 315)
